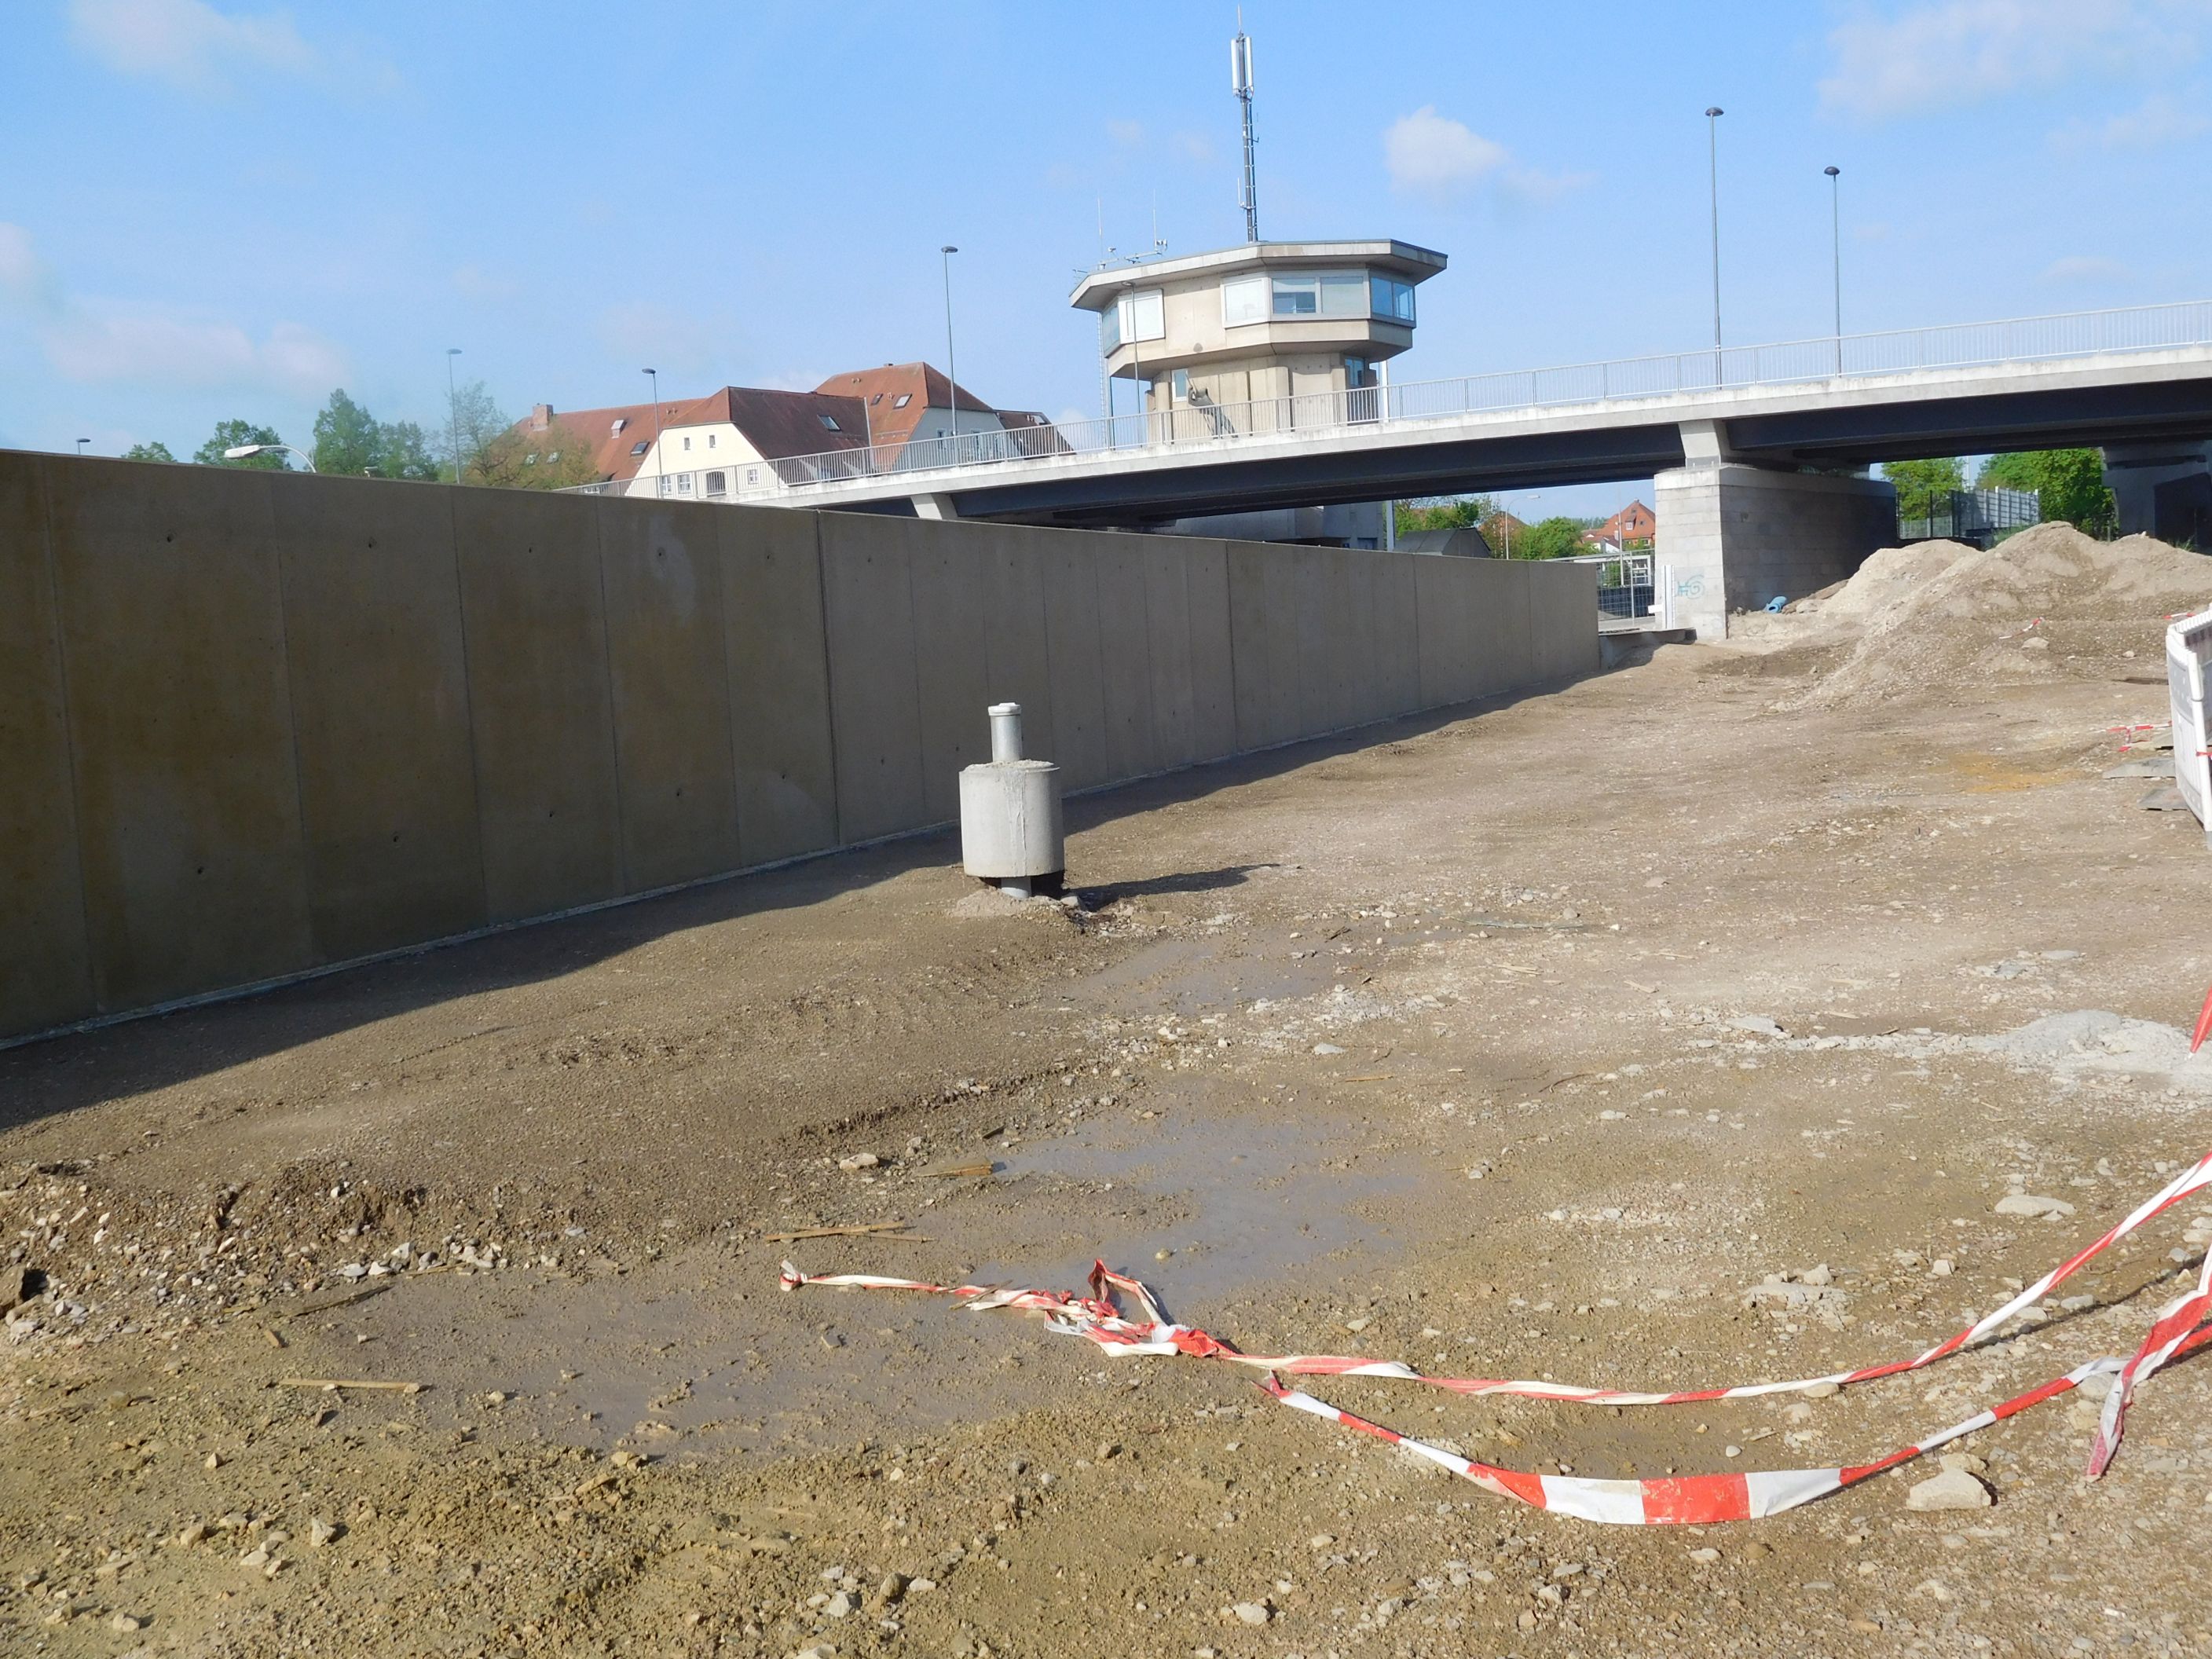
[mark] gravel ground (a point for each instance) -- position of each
(1655, 1033)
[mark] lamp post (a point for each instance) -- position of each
(1836, 254)
(952, 361)
(659, 461)
(81, 443)
(454, 409)
(1713, 172)
(244, 451)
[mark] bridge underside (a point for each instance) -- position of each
(1402, 461)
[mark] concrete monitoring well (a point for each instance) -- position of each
(1010, 828)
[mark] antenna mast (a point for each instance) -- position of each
(1240, 77)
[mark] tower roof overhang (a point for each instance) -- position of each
(1102, 288)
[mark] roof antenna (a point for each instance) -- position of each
(1240, 78)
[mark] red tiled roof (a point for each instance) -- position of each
(923, 387)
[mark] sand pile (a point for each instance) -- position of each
(2048, 603)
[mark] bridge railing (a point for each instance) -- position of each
(1200, 424)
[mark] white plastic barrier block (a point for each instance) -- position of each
(2188, 650)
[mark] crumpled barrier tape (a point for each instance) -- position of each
(1699, 1499)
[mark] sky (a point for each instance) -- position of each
(219, 208)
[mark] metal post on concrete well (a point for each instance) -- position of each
(1010, 813)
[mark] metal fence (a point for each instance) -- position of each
(1982, 517)
(1204, 423)
(1625, 586)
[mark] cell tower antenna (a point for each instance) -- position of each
(1240, 77)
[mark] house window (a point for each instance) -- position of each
(687, 440)
(531, 460)
(640, 447)
(902, 400)
(752, 475)
(620, 423)
(1298, 296)
(1133, 317)
(683, 483)
(1390, 298)
(1179, 387)
(710, 440)
(829, 422)
(1321, 293)
(718, 484)
(1359, 372)
(1244, 300)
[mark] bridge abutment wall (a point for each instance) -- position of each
(1731, 536)
(2162, 489)
(255, 726)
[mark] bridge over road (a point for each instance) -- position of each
(1754, 448)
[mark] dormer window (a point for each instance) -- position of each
(620, 422)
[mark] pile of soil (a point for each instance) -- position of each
(2049, 602)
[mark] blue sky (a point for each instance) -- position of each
(220, 208)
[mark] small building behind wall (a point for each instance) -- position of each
(1267, 337)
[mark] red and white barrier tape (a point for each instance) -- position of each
(1700, 1499)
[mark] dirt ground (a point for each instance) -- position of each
(1528, 1041)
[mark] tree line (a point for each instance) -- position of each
(478, 441)
(2070, 484)
(1555, 537)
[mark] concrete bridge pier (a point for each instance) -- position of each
(2162, 489)
(1731, 536)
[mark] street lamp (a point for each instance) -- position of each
(243, 451)
(659, 461)
(1836, 254)
(454, 409)
(81, 443)
(952, 363)
(1713, 169)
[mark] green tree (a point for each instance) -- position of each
(476, 422)
(235, 434)
(157, 451)
(402, 451)
(1921, 485)
(345, 438)
(558, 457)
(1550, 539)
(2070, 482)
(1444, 513)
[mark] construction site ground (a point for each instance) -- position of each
(1524, 1040)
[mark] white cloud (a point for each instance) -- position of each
(1195, 146)
(26, 279)
(96, 340)
(477, 283)
(2158, 121)
(188, 43)
(1938, 54)
(642, 331)
(1434, 156)
(1125, 135)
(2086, 270)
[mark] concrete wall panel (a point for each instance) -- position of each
(777, 655)
(45, 957)
(874, 681)
(540, 705)
(1284, 572)
(1167, 562)
(1126, 654)
(1446, 670)
(1397, 633)
(1251, 644)
(952, 583)
(1015, 649)
(1213, 654)
(172, 639)
(379, 695)
(1078, 691)
(668, 672)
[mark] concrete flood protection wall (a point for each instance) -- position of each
(254, 725)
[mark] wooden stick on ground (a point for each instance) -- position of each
(852, 1231)
(981, 1166)
(331, 1383)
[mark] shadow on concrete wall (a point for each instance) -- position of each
(58, 1074)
